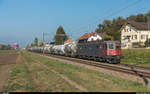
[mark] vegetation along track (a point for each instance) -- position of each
(143, 72)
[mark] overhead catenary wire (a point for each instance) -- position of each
(103, 17)
(99, 16)
(113, 13)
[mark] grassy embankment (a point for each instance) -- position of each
(139, 57)
(21, 78)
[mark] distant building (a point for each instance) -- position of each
(95, 37)
(133, 33)
(15, 46)
(87, 37)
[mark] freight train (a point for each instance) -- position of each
(103, 51)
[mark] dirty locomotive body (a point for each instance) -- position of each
(103, 51)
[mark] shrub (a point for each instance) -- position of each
(147, 43)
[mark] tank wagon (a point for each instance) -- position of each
(59, 50)
(70, 49)
(106, 51)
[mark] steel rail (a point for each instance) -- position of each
(128, 69)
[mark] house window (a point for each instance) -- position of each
(94, 35)
(143, 37)
(134, 37)
(130, 29)
(124, 37)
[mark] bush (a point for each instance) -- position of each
(147, 43)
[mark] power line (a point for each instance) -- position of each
(114, 13)
(104, 13)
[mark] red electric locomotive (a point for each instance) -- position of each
(106, 51)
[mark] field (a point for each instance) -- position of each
(37, 73)
(139, 57)
(7, 51)
(7, 61)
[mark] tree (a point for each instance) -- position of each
(1, 47)
(131, 18)
(112, 27)
(36, 41)
(148, 14)
(141, 18)
(98, 30)
(41, 44)
(8, 47)
(32, 44)
(60, 36)
(147, 43)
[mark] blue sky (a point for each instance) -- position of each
(23, 20)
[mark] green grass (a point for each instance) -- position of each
(19, 80)
(92, 80)
(8, 51)
(46, 81)
(136, 57)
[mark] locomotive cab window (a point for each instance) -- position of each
(111, 46)
(118, 46)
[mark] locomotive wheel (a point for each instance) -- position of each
(108, 61)
(116, 61)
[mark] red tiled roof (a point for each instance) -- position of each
(85, 36)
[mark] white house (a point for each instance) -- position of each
(95, 37)
(87, 37)
(133, 33)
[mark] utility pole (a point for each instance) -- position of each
(148, 21)
(43, 37)
(71, 35)
(43, 43)
(148, 27)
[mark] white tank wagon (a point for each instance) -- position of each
(51, 49)
(30, 49)
(59, 49)
(47, 49)
(34, 49)
(70, 49)
(41, 49)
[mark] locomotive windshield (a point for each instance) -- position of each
(111, 46)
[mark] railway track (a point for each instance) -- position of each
(125, 68)
(139, 71)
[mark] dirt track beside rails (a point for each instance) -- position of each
(7, 61)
